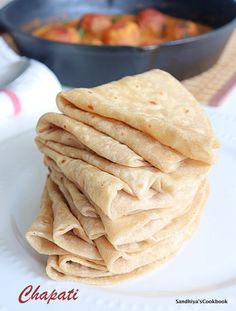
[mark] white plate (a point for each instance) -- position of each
(205, 268)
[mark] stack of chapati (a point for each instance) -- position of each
(128, 164)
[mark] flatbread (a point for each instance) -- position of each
(73, 265)
(143, 225)
(55, 272)
(157, 104)
(107, 196)
(121, 262)
(120, 265)
(97, 185)
(98, 142)
(40, 233)
(63, 137)
(78, 197)
(193, 212)
(127, 184)
(93, 227)
(67, 231)
(139, 180)
(160, 156)
(132, 228)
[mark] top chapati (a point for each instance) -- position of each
(156, 104)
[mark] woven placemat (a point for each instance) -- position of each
(211, 86)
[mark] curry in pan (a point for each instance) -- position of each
(148, 27)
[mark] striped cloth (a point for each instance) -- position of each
(32, 92)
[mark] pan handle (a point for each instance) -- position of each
(2, 28)
(3, 8)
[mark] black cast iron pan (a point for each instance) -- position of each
(85, 65)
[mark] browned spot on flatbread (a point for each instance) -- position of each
(152, 102)
(90, 107)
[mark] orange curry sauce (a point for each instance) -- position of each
(148, 27)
